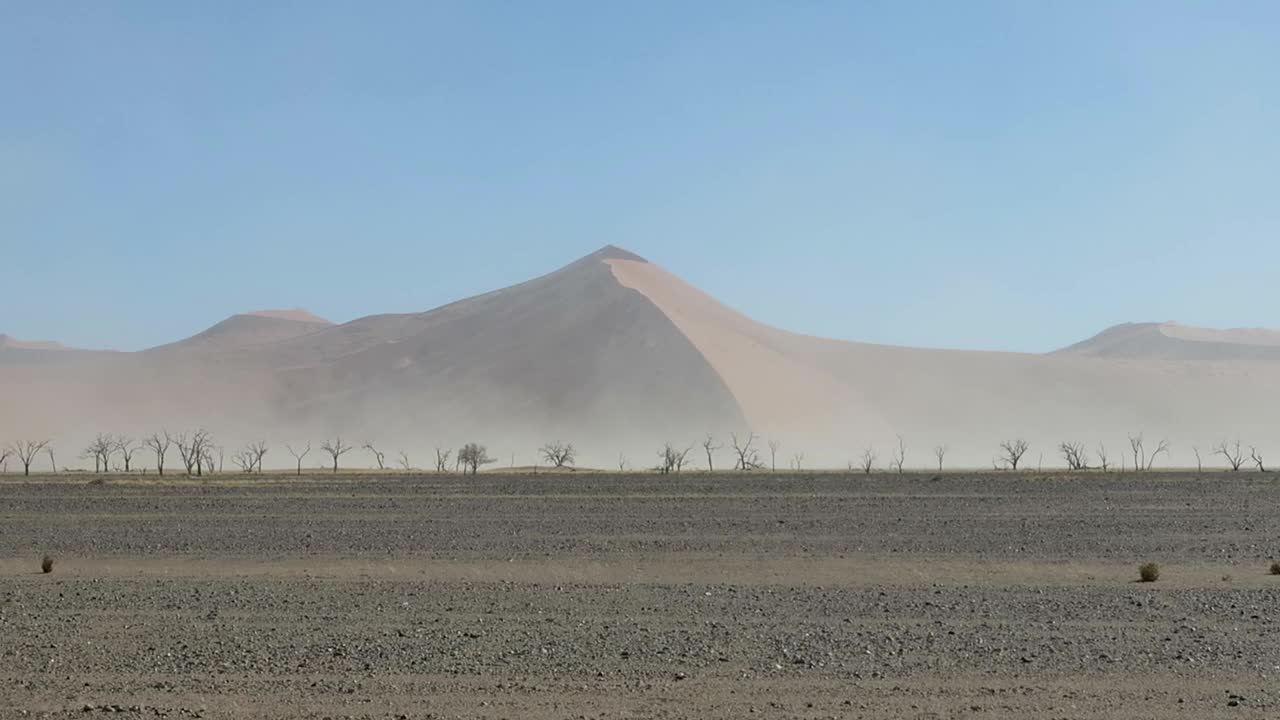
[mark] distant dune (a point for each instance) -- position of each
(295, 314)
(249, 329)
(1172, 341)
(14, 343)
(617, 354)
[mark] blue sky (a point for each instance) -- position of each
(1012, 175)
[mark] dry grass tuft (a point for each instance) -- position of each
(1149, 572)
(46, 565)
(1275, 568)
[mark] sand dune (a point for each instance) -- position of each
(13, 343)
(249, 329)
(618, 354)
(1172, 341)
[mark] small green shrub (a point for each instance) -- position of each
(1149, 572)
(46, 565)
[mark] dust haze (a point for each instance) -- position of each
(620, 357)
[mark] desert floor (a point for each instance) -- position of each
(608, 596)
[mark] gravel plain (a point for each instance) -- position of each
(610, 596)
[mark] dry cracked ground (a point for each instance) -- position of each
(605, 596)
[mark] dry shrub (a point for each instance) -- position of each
(1275, 568)
(46, 565)
(1149, 572)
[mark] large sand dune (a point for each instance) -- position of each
(617, 354)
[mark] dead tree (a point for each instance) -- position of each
(1139, 452)
(1013, 451)
(940, 452)
(403, 459)
(207, 459)
(378, 456)
(4, 459)
(681, 457)
(126, 447)
(159, 445)
(709, 445)
(1161, 447)
(53, 463)
(622, 462)
(297, 456)
(259, 451)
(442, 460)
(773, 454)
(1235, 457)
(183, 443)
(101, 449)
(748, 458)
(245, 460)
(666, 459)
(1199, 462)
(867, 461)
(472, 456)
(899, 455)
(672, 458)
(797, 460)
(558, 454)
(196, 450)
(26, 452)
(1104, 460)
(336, 449)
(1075, 455)
(1257, 459)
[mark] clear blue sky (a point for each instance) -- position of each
(1009, 175)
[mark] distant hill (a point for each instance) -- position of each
(1172, 341)
(249, 329)
(7, 341)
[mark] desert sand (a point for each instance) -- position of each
(685, 596)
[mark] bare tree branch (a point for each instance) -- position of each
(709, 445)
(797, 460)
(1139, 452)
(1013, 452)
(899, 455)
(100, 450)
(26, 452)
(1075, 455)
(558, 454)
(1234, 456)
(380, 457)
(1162, 447)
(158, 443)
(473, 456)
(336, 449)
(867, 461)
(126, 447)
(298, 455)
(748, 458)
(940, 452)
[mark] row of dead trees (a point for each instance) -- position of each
(198, 455)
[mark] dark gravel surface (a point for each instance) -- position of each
(377, 598)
